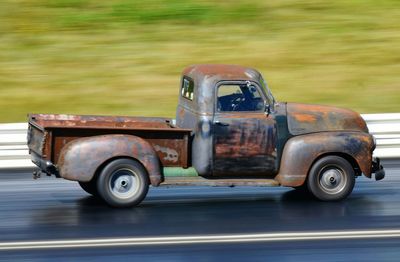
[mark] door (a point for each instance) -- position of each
(244, 134)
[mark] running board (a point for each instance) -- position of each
(200, 181)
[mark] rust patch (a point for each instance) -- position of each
(229, 182)
(168, 154)
(246, 146)
(109, 122)
(304, 119)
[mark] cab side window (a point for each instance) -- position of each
(239, 97)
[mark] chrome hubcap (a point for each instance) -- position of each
(124, 183)
(332, 180)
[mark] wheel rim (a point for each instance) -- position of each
(124, 183)
(332, 179)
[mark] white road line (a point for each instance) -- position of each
(201, 239)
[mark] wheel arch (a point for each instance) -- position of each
(301, 152)
(108, 161)
(84, 158)
(349, 158)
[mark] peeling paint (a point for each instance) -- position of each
(169, 154)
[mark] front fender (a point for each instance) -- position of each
(300, 152)
(80, 158)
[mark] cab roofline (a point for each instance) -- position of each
(221, 72)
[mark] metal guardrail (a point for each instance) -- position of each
(386, 129)
(14, 151)
(13, 148)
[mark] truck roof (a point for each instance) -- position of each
(220, 72)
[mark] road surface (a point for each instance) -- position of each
(52, 219)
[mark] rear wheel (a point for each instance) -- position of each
(90, 187)
(331, 178)
(123, 183)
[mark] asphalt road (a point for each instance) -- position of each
(58, 210)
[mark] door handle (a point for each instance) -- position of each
(221, 123)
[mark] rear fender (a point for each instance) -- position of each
(300, 153)
(80, 159)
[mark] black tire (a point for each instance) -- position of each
(90, 187)
(123, 183)
(331, 178)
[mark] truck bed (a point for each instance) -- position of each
(48, 134)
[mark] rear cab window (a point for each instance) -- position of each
(187, 89)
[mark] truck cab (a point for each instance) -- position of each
(232, 115)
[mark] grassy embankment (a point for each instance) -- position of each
(124, 57)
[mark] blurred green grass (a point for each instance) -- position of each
(125, 57)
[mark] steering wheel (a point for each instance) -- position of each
(236, 102)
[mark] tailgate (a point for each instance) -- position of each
(36, 140)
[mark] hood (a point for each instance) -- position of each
(303, 118)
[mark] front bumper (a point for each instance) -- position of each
(378, 169)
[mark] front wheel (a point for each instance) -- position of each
(331, 178)
(123, 183)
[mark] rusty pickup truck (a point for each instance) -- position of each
(229, 130)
